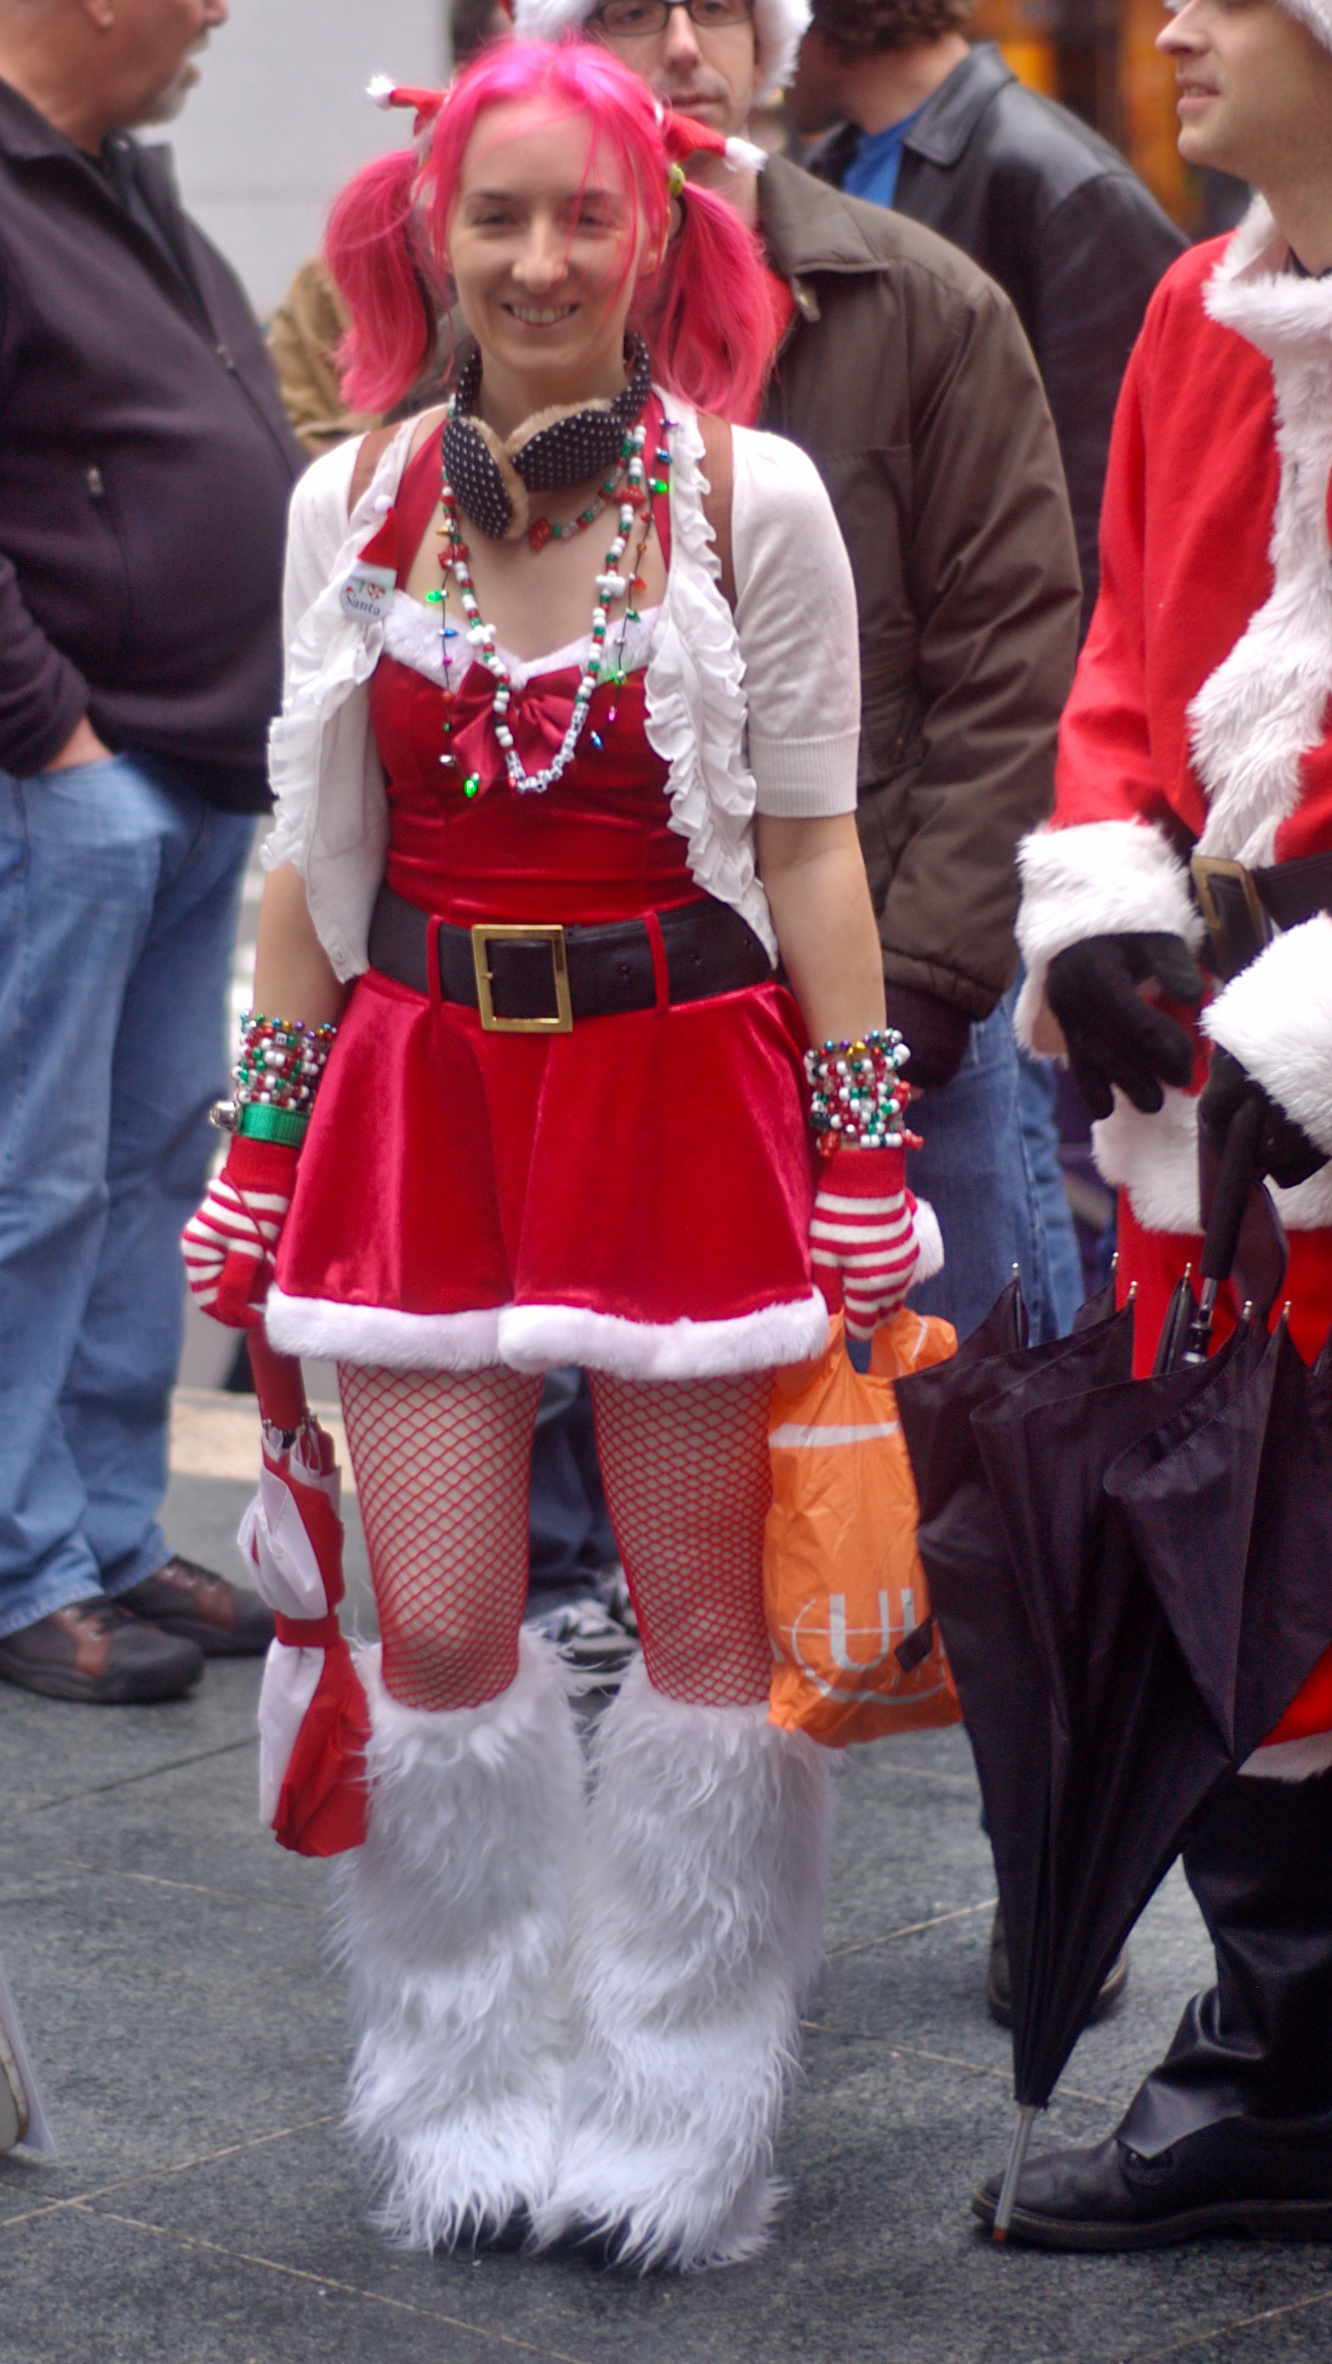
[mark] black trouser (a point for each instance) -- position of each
(1259, 2043)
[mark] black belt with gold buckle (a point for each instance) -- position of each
(1242, 907)
(537, 977)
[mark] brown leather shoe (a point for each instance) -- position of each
(998, 1990)
(221, 1619)
(94, 1651)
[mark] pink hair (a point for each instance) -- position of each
(705, 313)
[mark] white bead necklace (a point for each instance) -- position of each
(611, 585)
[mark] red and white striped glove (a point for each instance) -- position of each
(863, 1243)
(230, 1244)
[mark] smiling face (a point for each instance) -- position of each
(545, 244)
(1255, 91)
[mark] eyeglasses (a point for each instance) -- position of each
(636, 20)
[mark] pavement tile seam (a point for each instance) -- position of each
(324, 2282)
(99, 1789)
(963, 1781)
(64, 1864)
(129, 2183)
(977, 2068)
(866, 1945)
(1227, 2330)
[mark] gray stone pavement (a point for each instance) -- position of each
(170, 1964)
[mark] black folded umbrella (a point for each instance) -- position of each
(1092, 1748)
(1130, 1577)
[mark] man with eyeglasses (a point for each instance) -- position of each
(903, 371)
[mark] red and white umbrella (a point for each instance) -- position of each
(313, 1721)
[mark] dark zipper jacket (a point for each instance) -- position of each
(907, 378)
(1057, 216)
(145, 468)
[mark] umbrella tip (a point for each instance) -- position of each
(1246, 1312)
(1133, 1292)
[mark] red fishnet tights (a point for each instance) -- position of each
(443, 1464)
(443, 1467)
(688, 1484)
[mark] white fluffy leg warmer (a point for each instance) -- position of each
(698, 1932)
(454, 1925)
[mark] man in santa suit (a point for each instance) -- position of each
(1200, 726)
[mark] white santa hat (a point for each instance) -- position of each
(778, 26)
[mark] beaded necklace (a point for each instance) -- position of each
(612, 585)
(548, 529)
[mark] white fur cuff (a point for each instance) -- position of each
(1102, 878)
(1276, 1019)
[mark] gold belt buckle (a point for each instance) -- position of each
(534, 932)
(1206, 867)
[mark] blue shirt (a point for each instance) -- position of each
(874, 168)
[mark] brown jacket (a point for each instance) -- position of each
(907, 378)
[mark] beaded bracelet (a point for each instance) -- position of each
(276, 1078)
(855, 1098)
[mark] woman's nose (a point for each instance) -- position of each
(544, 258)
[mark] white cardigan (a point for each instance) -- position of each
(756, 712)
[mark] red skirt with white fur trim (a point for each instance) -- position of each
(634, 1196)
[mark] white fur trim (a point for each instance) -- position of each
(778, 27)
(1276, 1019)
(929, 1242)
(1264, 707)
(1102, 878)
(1291, 1760)
(698, 1933)
(453, 1923)
(1155, 1158)
(540, 1337)
(380, 1335)
(379, 90)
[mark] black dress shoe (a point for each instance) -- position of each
(221, 1619)
(95, 1651)
(999, 1993)
(1262, 2179)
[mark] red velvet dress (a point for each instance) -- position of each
(638, 1173)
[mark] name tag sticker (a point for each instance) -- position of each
(365, 594)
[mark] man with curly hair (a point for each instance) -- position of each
(941, 130)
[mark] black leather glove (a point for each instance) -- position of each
(1284, 1148)
(1113, 1035)
(935, 1033)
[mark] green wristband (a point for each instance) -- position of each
(258, 1121)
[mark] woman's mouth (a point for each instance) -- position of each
(540, 315)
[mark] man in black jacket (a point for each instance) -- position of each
(944, 132)
(145, 464)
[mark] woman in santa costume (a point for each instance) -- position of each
(1195, 778)
(548, 813)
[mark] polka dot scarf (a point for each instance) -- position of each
(550, 451)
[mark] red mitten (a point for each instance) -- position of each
(230, 1244)
(863, 1242)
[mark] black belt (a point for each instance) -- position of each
(537, 978)
(1242, 906)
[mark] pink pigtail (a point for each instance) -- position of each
(377, 262)
(708, 316)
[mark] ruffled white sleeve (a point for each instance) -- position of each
(796, 617)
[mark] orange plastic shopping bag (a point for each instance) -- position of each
(843, 1582)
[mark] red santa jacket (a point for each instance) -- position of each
(1199, 719)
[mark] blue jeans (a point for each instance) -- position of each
(1038, 1114)
(119, 891)
(975, 1171)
